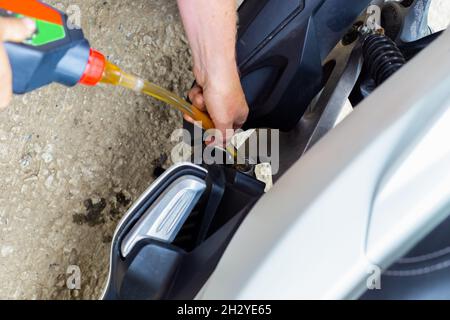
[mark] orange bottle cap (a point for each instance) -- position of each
(94, 69)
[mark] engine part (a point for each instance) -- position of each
(404, 33)
(407, 20)
(382, 57)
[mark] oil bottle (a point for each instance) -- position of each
(57, 53)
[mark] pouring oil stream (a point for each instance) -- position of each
(113, 75)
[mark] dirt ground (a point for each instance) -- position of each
(73, 160)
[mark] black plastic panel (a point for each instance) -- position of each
(157, 270)
(281, 47)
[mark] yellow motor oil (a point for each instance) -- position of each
(114, 75)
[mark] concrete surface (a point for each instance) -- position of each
(72, 160)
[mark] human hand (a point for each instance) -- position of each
(14, 30)
(211, 27)
(222, 97)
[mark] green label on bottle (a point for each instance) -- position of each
(46, 32)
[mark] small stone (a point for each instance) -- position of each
(123, 198)
(47, 156)
(25, 161)
(148, 40)
(6, 251)
(49, 181)
(3, 220)
(73, 257)
(3, 135)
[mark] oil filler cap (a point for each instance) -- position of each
(94, 68)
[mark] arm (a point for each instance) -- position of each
(10, 30)
(211, 27)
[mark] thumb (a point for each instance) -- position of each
(16, 30)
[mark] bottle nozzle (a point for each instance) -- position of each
(94, 68)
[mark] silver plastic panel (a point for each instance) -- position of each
(357, 201)
(165, 217)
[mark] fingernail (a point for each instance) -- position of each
(30, 24)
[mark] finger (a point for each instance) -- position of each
(5, 79)
(197, 98)
(16, 30)
(188, 118)
(199, 102)
(241, 119)
(194, 91)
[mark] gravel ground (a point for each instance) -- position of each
(72, 160)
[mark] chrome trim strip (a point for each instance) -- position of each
(165, 217)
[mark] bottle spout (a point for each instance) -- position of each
(95, 68)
